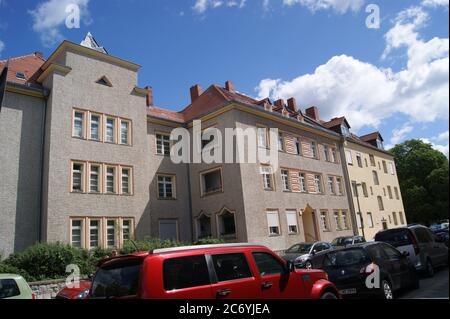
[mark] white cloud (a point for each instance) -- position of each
(2, 46)
(339, 6)
(49, 16)
(444, 148)
(399, 134)
(201, 6)
(442, 137)
(435, 3)
(367, 94)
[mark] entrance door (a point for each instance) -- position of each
(310, 224)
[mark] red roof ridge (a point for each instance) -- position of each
(22, 57)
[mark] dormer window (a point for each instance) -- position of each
(380, 144)
(20, 75)
(345, 130)
(268, 107)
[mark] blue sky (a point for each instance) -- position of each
(393, 79)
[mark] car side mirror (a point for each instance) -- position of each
(290, 266)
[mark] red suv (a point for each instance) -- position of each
(228, 271)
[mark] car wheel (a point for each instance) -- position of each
(429, 269)
(329, 295)
(308, 265)
(386, 290)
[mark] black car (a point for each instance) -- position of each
(347, 241)
(353, 270)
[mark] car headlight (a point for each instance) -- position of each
(83, 294)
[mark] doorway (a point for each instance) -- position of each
(310, 224)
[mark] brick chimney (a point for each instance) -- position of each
(313, 112)
(292, 104)
(196, 91)
(229, 85)
(279, 103)
(149, 96)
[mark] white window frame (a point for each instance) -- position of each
(115, 184)
(99, 178)
(266, 172)
(285, 183)
(130, 180)
(82, 231)
(164, 140)
(274, 216)
(128, 123)
(318, 187)
(114, 129)
(331, 185)
(302, 182)
(370, 223)
(262, 136)
(82, 177)
(99, 126)
(99, 233)
(291, 223)
(349, 157)
(324, 222)
(337, 220)
(83, 123)
(116, 237)
(167, 180)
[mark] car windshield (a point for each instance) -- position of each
(341, 241)
(300, 248)
(395, 237)
(117, 280)
(346, 257)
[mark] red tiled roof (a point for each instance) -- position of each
(166, 114)
(371, 137)
(335, 122)
(28, 64)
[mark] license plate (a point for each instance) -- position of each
(350, 291)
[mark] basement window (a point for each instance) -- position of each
(211, 182)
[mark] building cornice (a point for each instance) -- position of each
(26, 90)
(53, 67)
(369, 147)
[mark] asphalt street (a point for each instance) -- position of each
(436, 287)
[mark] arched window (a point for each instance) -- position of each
(203, 226)
(226, 224)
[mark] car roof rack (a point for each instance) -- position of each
(198, 247)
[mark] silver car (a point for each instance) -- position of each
(426, 251)
(301, 254)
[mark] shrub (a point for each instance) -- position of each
(209, 241)
(8, 269)
(147, 245)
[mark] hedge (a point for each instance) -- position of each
(49, 261)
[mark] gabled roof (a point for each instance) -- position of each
(357, 140)
(337, 121)
(29, 65)
(371, 137)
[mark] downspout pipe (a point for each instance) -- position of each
(41, 190)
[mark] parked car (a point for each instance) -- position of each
(227, 271)
(14, 287)
(348, 268)
(347, 241)
(81, 292)
(302, 253)
(442, 236)
(426, 251)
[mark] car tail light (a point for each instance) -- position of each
(33, 295)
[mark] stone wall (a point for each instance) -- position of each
(47, 289)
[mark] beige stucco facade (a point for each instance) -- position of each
(375, 216)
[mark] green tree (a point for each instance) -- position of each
(423, 175)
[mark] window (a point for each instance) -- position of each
(334, 157)
(94, 233)
(397, 194)
(364, 188)
(78, 124)
(203, 226)
(126, 187)
(359, 220)
(292, 222)
(111, 233)
(262, 137)
(110, 180)
(77, 177)
(355, 189)
(380, 144)
(267, 264)
(95, 127)
(127, 229)
(337, 220)
(359, 159)
(331, 188)
(211, 182)
(324, 221)
(313, 147)
(8, 288)
(110, 130)
(371, 190)
(280, 142)
(165, 187)
(384, 192)
(285, 180)
(345, 220)
(365, 162)
(392, 253)
(185, 272)
(385, 170)
(273, 223)
(77, 233)
(302, 180)
(389, 189)
(266, 172)
(227, 224)
(394, 216)
(372, 160)
(94, 179)
(318, 184)
(391, 168)
(297, 145)
(20, 75)
(162, 144)
(230, 267)
(345, 130)
(370, 220)
(348, 156)
(340, 187)
(402, 219)
(375, 178)
(168, 229)
(326, 153)
(124, 132)
(380, 203)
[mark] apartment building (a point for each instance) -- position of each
(376, 194)
(86, 161)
